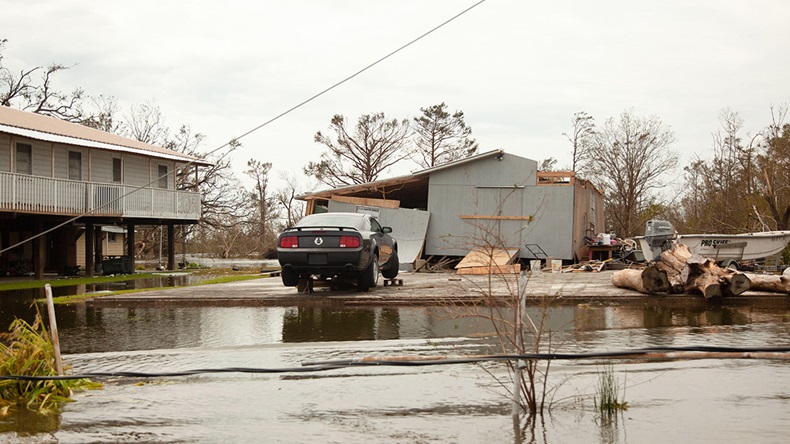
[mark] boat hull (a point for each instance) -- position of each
(730, 247)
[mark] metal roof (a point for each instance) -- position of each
(50, 129)
(410, 189)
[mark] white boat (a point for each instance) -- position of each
(736, 247)
(719, 247)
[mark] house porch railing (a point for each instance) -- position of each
(33, 194)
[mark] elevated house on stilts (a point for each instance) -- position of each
(85, 190)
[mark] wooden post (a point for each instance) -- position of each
(89, 243)
(130, 244)
(53, 328)
(99, 250)
(39, 255)
(171, 246)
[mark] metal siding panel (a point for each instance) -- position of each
(448, 234)
(42, 158)
(135, 170)
(5, 155)
(552, 228)
(101, 166)
(62, 162)
(408, 227)
(456, 191)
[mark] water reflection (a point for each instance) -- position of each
(464, 403)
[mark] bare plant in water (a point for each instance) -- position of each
(26, 350)
(518, 330)
(607, 400)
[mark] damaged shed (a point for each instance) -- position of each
(491, 199)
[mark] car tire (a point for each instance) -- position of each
(391, 272)
(369, 277)
(290, 277)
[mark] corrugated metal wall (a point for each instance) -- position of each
(506, 190)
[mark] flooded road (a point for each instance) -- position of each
(682, 401)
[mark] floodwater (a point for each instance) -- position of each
(668, 401)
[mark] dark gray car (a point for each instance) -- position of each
(335, 246)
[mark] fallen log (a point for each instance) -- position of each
(651, 280)
(770, 282)
(678, 271)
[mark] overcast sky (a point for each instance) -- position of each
(517, 69)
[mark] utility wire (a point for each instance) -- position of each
(234, 142)
(669, 353)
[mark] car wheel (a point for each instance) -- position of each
(290, 277)
(369, 277)
(391, 272)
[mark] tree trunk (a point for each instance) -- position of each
(651, 280)
(770, 282)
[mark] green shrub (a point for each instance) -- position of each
(26, 350)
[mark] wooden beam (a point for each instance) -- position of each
(171, 247)
(130, 244)
(493, 269)
(89, 244)
(484, 217)
(382, 203)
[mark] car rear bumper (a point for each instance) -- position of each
(322, 261)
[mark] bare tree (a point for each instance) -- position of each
(263, 204)
(441, 137)
(376, 144)
(145, 122)
(581, 136)
(627, 160)
(27, 93)
(774, 168)
(548, 164)
(286, 199)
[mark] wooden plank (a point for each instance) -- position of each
(486, 257)
(484, 217)
(381, 203)
(494, 269)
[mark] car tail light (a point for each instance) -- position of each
(349, 242)
(289, 242)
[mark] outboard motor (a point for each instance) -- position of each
(658, 235)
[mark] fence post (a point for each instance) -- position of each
(53, 328)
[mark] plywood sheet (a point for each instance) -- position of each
(487, 257)
(494, 269)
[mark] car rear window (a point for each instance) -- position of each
(331, 220)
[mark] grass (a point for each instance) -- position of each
(65, 282)
(27, 350)
(606, 399)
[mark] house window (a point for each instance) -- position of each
(111, 238)
(163, 176)
(116, 170)
(24, 158)
(75, 165)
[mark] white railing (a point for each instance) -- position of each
(24, 193)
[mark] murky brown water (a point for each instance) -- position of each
(680, 401)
